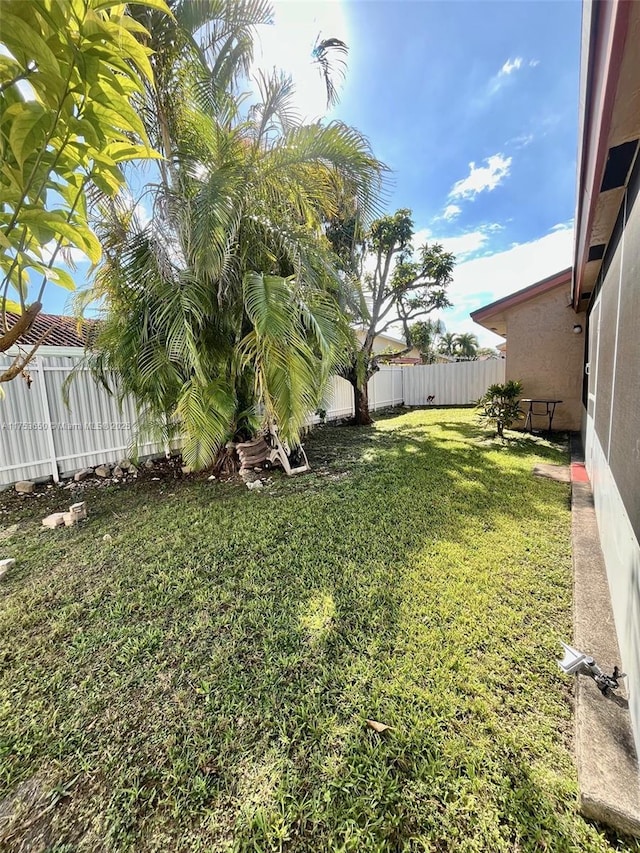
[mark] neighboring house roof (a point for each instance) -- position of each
(61, 331)
(492, 316)
(403, 359)
(609, 131)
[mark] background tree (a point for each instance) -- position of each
(424, 335)
(466, 345)
(448, 344)
(488, 352)
(70, 72)
(395, 284)
(225, 307)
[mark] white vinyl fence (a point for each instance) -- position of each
(40, 437)
(456, 384)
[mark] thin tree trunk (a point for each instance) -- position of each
(361, 405)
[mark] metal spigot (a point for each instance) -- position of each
(575, 662)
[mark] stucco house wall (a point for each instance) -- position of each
(545, 354)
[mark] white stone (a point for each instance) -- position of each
(149, 463)
(118, 472)
(187, 469)
(107, 537)
(25, 487)
(103, 471)
(79, 510)
(79, 476)
(54, 520)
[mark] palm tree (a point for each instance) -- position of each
(448, 344)
(424, 335)
(224, 309)
(466, 345)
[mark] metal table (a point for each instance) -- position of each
(549, 411)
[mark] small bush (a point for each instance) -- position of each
(500, 405)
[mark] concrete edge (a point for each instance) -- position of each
(607, 763)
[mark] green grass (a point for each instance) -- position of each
(202, 682)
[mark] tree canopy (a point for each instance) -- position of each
(224, 308)
(70, 73)
(397, 286)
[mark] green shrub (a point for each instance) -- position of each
(500, 405)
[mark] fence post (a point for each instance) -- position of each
(47, 427)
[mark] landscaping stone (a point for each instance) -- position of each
(25, 487)
(103, 471)
(79, 476)
(149, 463)
(107, 538)
(187, 469)
(79, 510)
(118, 472)
(125, 464)
(256, 485)
(69, 519)
(56, 519)
(5, 565)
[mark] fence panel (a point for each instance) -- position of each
(41, 437)
(24, 446)
(386, 388)
(456, 384)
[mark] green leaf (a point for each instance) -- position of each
(158, 5)
(29, 130)
(62, 278)
(7, 304)
(27, 45)
(121, 151)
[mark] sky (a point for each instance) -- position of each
(474, 108)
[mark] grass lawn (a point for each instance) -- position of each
(202, 681)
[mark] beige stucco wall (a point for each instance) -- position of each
(546, 355)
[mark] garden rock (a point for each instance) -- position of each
(187, 469)
(149, 463)
(5, 565)
(77, 512)
(103, 471)
(107, 538)
(118, 472)
(25, 487)
(256, 485)
(54, 520)
(79, 476)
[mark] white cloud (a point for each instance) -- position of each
(287, 45)
(521, 141)
(482, 178)
(462, 245)
(450, 212)
(480, 281)
(533, 63)
(510, 66)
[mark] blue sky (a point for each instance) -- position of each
(474, 106)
